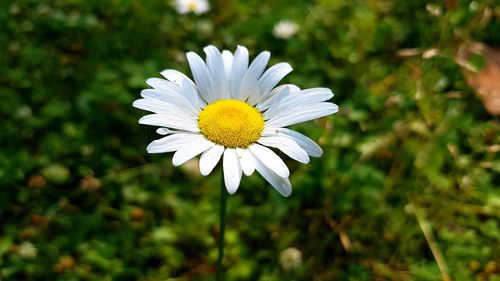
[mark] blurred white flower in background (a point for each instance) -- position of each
(192, 6)
(285, 29)
(290, 258)
(27, 250)
(434, 9)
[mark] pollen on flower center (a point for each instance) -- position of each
(231, 123)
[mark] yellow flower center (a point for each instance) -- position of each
(231, 123)
(192, 6)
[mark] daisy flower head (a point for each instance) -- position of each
(192, 6)
(234, 111)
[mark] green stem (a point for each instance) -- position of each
(223, 207)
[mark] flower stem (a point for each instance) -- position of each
(223, 207)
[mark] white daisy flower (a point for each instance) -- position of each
(285, 29)
(192, 6)
(234, 111)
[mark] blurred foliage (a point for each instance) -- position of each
(407, 188)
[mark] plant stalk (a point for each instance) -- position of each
(223, 208)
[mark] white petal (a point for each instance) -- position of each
(172, 97)
(161, 84)
(190, 92)
(300, 99)
(177, 85)
(202, 77)
(247, 161)
(227, 57)
(288, 117)
(316, 94)
(288, 146)
(172, 88)
(202, 7)
(181, 9)
(162, 107)
(189, 150)
(269, 80)
(172, 142)
(275, 99)
(282, 185)
(306, 143)
(175, 76)
(275, 96)
(215, 64)
(238, 69)
(180, 122)
(232, 170)
(270, 159)
(162, 131)
(210, 158)
(249, 83)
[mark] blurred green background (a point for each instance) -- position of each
(407, 188)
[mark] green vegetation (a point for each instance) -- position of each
(407, 188)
